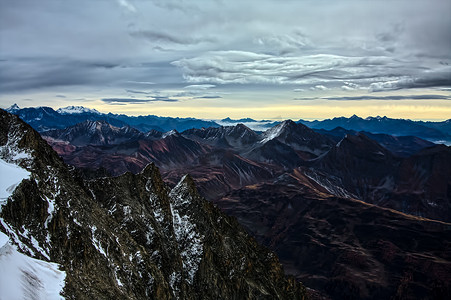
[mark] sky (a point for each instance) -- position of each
(265, 59)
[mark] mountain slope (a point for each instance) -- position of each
(130, 237)
(419, 185)
(226, 158)
(238, 137)
(169, 151)
(94, 133)
(343, 247)
(299, 137)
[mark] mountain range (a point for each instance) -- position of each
(439, 132)
(353, 214)
(408, 174)
(46, 118)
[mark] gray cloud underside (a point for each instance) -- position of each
(377, 73)
(359, 98)
(349, 44)
(21, 74)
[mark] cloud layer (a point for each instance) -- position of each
(186, 50)
(386, 98)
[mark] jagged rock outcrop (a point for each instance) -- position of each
(130, 237)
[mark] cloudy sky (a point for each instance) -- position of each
(240, 58)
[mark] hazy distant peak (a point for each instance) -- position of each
(243, 120)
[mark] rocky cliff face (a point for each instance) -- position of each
(130, 237)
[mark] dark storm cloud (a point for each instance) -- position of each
(208, 97)
(440, 77)
(137, 92)
(29, 73)
(386, 98)
(23, 74)
(163, 98)
(125, 100)
(154, 36)
(137, 101)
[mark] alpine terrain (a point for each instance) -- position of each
(351, 214)
(124, 237)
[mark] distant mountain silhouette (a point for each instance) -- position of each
(432, 131)
(400, 145)
(46, 118)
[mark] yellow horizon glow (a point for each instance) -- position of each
(406, 109)
(272, 105)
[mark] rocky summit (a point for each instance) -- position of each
(126, 237)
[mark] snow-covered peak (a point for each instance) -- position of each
(69, 110)
(13, 108)
(169, 133)
(276, 131)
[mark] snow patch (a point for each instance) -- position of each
(23, 277)
(96, 243)
(15, 237)
(192, 250)
(11, 175)
(174, 278)
(169, 133)
(50, 210)
(190, 241)
(328, 184)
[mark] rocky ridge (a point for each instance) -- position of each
(131, 236)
